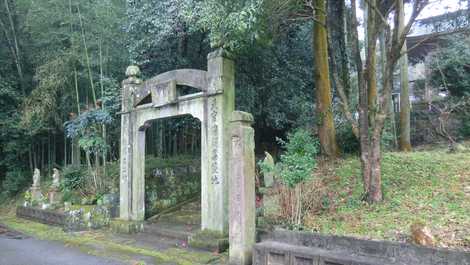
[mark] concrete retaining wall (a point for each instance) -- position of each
(42, 216)
(289, 248)
(74, 220)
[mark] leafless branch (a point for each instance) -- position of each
(378, 12)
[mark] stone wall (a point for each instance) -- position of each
(289, 248)
(78, 219)
(168, 185)
(48, 217)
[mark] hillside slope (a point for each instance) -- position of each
(432, 187)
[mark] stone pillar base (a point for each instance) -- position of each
(36, 194)
(126, 227)
(209, 240)
(55, 196)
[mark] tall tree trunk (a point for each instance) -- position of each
(49, 153)
(65, 151)
(363, 101)
(391, 109)
(90, 75)
(103, 126)
(405, 108)
(30, 158)
(35, 157)
(375, 186)
(376, 115)
(337, 39)
(54, 149)
(14, 46)
(74, 146)
(327, 133)
(371, 63)
(75, 150)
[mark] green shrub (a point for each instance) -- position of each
(295, 167)
(346, 139)
(465, 129)
(74, 177)
(15, 181)
(298, 161)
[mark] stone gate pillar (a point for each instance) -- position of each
(242, 189)
(131, 186)
(215, 142)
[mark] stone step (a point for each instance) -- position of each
(182, 217)
(171, 231)
(194, 206)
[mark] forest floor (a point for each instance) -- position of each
(431, 187)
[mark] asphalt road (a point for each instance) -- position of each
(17, 249)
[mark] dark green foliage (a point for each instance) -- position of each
(74, 178)
(13, 138)
(465, 121)
(346, 139)
(273, 78)
(450, 66)
(281, 77)
(234, 25)
(87, 128)
(15, 182)
(299, 159)
(159, 37)
(170, 181)
(75, 184)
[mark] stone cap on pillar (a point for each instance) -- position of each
(220, 52)
(242, 117)
(133, 73)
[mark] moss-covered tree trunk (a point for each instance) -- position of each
(405, 106)
(371, 63)
(363, 109)
(326, 126)
(376, 116)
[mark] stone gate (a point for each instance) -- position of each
(157, 98)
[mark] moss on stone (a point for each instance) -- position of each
(126, 227)
(85, 208)
(209, 240)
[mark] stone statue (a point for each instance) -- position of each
(269, 177)
(36, 178)
(55, 178)
(55, 196)
(36, 194)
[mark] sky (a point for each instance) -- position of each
(435, 8)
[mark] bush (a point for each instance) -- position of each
(298, 161)
(74, 178)
(15, 181)
(465, 128)
(346, 139)
(295, 167)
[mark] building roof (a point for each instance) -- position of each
(430, 33)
